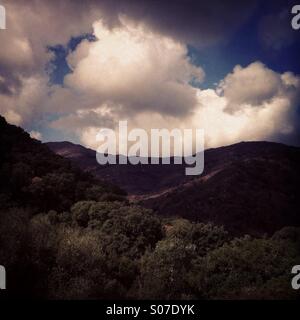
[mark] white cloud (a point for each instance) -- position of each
(261, 123)
(12, 117)
(32, 26)
(126, 71)
(251, 103)
(134, 69)
(221, 128)
(131, 72)
(35, 135)
(252, 85)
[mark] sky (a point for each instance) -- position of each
(69, 68)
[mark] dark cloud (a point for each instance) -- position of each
(195, 22)
(4, 87)
(9, 80)
(192, 21)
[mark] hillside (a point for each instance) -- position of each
(31, 175)
(249, 187)
(135, 179)
(66, 235)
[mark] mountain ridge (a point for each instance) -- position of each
(249, 187)
(85, 158)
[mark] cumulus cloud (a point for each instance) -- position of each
(251, 103)
(255, 85)
(33, 25)
(127, 71)
(137, 69)
(134, 68)
(249, 123)
(273, 115)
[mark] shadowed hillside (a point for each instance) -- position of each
(135, 179)
(32, 175)
(249, 187)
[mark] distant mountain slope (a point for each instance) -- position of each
(249, 187)
(135, 179)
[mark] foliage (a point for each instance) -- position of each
(246, 268)
(33, 176)
(65, 235)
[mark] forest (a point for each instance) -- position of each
(67, 235)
